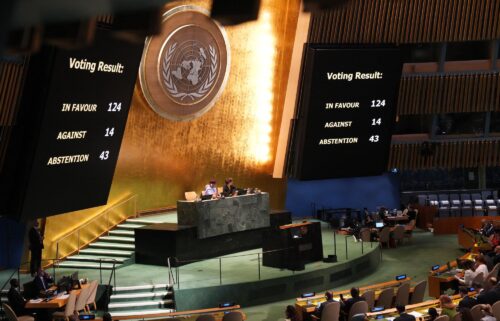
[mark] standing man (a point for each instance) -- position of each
(36, 246)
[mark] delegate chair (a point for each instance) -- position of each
(409, 229)
(384, 236)
(81, 301)
(466, 205)
(442, 318)
(418, 292)
(369, 298)
(457, 317)
(496, 310)
(385, 298)
(398, 234)
(455, 200)
(205, 317)
(233, 316)
(492, 274)
(476, 312)
(477, 199)
(331, 312)
(92, 294)
(360, 307)
(69, 309)
(478, 279)
(190, 196)
(422, 199)
(365, 235)
(11, 315)
(444, 201)
(402, 294)
(433, 200)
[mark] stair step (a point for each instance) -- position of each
(109, 245)
(122, 232)
(140, 312)
(118, 239)
(93, 258)
(129, 226)
(106, 252)
(143, 295)
(143, 221)
(142, 288)
(139, 304)
(86, 265)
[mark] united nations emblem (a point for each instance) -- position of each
(185, 68)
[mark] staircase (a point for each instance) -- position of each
(142, 299)
(118, 245)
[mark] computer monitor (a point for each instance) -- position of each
(206, 197)
(242, 191)
(379, 224)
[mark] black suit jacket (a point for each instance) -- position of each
(16, 301)
(405, 317)
(36, 241)
(467, 302)
(489, 297)
(40, 285)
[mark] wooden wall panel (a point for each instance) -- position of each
(449, 94)
(456, 154)
(408, 21)
(12, 73)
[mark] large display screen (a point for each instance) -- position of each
(85, 104)
(346, 111)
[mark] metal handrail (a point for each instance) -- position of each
(98, 216)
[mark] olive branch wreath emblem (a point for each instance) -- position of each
(172, 88)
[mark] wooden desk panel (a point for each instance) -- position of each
(54, 303)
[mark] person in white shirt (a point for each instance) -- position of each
(480, 267)
(469, 273)
(211, 189)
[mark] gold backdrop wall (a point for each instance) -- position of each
(160, 159)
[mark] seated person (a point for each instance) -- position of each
(369, 221)
(329, 299)
(42, 280)
(480, 266)
(211, 189)
(290, 313)
(347, 304)
(467, 301)
(469, 273)
(433, 314)
(403, 316)
(229, 189)
(496, 255)
(382, 213)
(490, 296)
(494, 239)
(16, 300)
(447, 306)
(487, 229)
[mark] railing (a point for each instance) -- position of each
(211, 271)
(99, 225)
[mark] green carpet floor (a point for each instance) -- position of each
(414, 259)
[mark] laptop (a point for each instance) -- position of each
(206, 197)
(379, 224)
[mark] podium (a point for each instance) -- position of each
(292, 246)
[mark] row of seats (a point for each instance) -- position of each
(463, 204)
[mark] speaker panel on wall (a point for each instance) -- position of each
(318, 5)
(230, 12)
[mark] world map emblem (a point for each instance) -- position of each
(184, 69)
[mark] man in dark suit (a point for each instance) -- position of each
(16, 300)
(490, 296)
(467, 301)
(403, 316)
(42, 280)
(329, 299)
(355, 297)
(36, 246)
